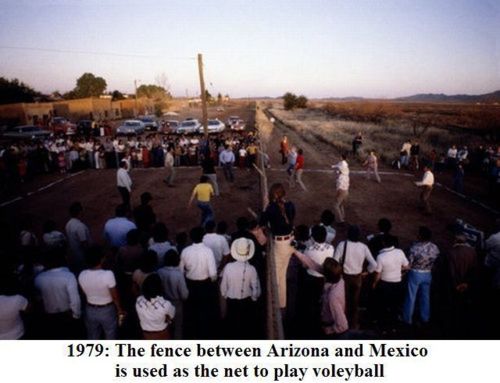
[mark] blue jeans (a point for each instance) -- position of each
(419, 286)
(207, 213)
(101, 320)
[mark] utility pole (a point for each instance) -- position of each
(136, 106)
(203, 96)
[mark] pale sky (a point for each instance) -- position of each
(320, 48)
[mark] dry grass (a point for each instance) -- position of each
(385, 137)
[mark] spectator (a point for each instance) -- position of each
(78, 238)
(159, 243)
(155, 312)
(144, 215)
(13, 306)
(116, 229)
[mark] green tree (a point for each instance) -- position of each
(12, 91)
(301, 102)
(117, 95)
(88, 85)
(289, 100)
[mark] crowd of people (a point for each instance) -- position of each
(24, 160)
(333, 280)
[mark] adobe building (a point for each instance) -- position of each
(26, 113)
(86, 108)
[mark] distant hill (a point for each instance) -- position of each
(434, 97)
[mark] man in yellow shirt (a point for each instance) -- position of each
(203, 193)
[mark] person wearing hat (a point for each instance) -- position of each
(240, 287)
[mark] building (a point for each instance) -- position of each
(26, 113)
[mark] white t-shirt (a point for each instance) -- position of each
(218, 244)
(152, 314)
(11, 323)
(96, 284)
(318, 252)
(389, 264)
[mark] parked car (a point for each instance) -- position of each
(130, 127)
(62, 125)
(170, 126)
(214, 126)
(231, 120)
(191, 125)
(150, 122)
(26, 132)
(238, 125)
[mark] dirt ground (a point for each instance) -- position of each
(396, 198)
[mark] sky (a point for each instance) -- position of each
(319, 48)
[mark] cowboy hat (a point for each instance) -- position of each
(242, 249)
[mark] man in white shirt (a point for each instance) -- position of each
(341, 187)
(79, 239)
(117, 228)
(216, 242)
(124, 183)
(427, 184)
(226, 159)
(352, 255)
(169, 165)
(198, 264)
(241, 287)
(58, 291)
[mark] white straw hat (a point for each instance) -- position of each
(242, 249)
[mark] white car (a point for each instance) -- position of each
(231, 120)
(191, 125)
(131, 127)
(238, 125)
(214, 126)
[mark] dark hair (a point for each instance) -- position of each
(133, 237)
(121, 210)
(160, 232)
(318, 233)
(151, 287)
(146, 198)
(197, 234)
(210, 226)
(9, 285)
(276, 192)
(344, 156)
(353, 233)
(123, 164)
(302, 233)
(181, 240)
(75, 209)
(384, 225)
(252, 224)
(94, 256)
(172, 258)
(327, 217)
(424, 233)
(332, 270)
(54, 257)
(149, 261)
(387, 241)
(222, 227)
(242, 223)
(204, 179)
(300, 151)
(49, 226)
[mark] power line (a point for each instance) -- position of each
(116, 54)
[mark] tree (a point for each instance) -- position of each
(289, 100)
(301, 102)
(87, 85)
(12, 91)
(117, 95)
(158, 94)
(219, 98)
